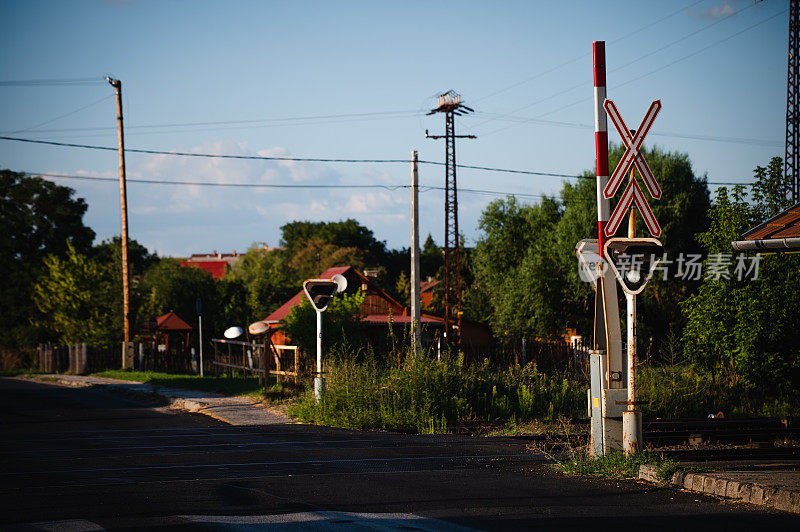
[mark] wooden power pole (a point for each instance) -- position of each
(123, 202)
(416, 329)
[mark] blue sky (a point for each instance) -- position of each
(354, 80)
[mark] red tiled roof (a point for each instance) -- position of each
(424, 286)
(384, 318)
(784, 225)
(172, 322)
(217, 268)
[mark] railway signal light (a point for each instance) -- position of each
(633, 261)
(320, 292)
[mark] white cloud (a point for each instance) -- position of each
(724, 8)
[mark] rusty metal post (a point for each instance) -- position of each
(296, 366)
(631, 419)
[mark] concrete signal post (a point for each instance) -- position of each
(319, 293)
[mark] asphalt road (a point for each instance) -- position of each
(85, 459)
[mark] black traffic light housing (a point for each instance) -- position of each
(320, 291)
(633, 260)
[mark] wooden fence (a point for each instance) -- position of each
(555, 355)
(261, 359)
(83, 358)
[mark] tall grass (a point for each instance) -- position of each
(429, 396)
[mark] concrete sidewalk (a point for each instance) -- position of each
(231, 410)
(775, 485)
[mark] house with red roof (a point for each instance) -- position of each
(377, 310)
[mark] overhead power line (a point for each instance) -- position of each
(268, 158)
(244, 124)
(59, 117)
(298, 159)
(710, 138)
(573, 60)
(390, 188)
(52, 82)
(631, 80)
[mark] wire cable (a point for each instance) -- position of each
(569, 62)
(574, 87)
(104, 98)
(265, 122)
(390, 188)
(52, 82)
(303, 159)
(710, 138)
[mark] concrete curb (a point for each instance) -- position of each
(715, 483)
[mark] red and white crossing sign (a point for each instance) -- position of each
(632, 147)
(631, 157)
(632, 194)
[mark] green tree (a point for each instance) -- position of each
(316, 255)
(38, 218)
(267, 280)
(342, 234)
(525, 263)
(75, 294)
(431, 259)
(312, 247)
(515, 269)
(743, 328)
(168, 286)
(403, 289)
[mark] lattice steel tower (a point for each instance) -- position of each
(450, 104)
(792, 160)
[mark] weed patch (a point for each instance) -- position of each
(431, 396)
(569, 451)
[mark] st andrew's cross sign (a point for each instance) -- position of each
(632, 156)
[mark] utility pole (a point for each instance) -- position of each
(792, 160)
(450, 104)
(416, 331)
(123, 201)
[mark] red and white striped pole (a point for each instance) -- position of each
(600, 139)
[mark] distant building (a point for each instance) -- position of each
(218, 264)
(426, 292)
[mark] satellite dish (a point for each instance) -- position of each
(233, 332)
(258, 327)
(341, 283)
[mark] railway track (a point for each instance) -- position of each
(755, 431)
